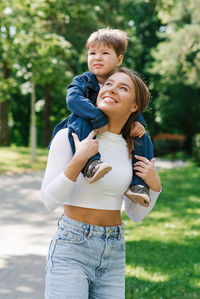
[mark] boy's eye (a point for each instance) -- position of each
(105, 53)
(92, 53)
(107, 83)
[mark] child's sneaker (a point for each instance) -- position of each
(95, 170)
(139, 195)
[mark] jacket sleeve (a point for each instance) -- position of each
(141, 120)
(80, 105)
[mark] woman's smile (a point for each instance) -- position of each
(109, 99)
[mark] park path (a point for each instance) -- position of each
(26, 230)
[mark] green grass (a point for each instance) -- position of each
(163, 251)
(18, 159)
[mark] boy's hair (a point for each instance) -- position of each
(114, 38)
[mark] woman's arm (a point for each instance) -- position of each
(137, 212)
(63, 169)
(146, 170)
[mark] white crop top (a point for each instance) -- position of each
(107, 193)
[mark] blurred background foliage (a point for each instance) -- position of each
(43, 41)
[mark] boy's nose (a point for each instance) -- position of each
(98, 56)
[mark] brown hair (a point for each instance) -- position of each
(142, 98)
(114, 38)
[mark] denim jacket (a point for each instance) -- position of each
(81, 100)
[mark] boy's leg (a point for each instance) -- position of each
(94, 168)
(139, 190)
(142, 147)
(58, 127)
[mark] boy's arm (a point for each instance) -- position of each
(138, 127)
(80, 105)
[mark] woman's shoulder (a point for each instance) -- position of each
(60, 137)
(63, 131)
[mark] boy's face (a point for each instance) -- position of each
(102, 60)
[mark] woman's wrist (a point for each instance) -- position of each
(74, 168)
(156, 189)
(156, 184)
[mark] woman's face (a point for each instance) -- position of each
(117, 96)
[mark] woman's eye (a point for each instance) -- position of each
(107, 84)
(124, 88)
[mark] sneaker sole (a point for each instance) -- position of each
(103, 170)
(140, 199)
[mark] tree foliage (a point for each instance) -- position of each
(45, 40)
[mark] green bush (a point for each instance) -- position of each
(166, 143)
(196, 148)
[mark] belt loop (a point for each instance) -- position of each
(90, 231)
(60, 219)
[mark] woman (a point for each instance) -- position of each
(87, 254)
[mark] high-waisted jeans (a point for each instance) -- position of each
(86, 262)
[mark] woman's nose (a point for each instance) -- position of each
(112, 90)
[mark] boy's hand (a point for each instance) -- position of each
(137, 129)
(102, 129)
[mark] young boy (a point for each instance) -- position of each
(106, 48)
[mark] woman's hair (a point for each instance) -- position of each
(115, 38)
(142, 98)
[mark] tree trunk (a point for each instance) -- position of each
(46, 116)
(4, 109)
(33, 123)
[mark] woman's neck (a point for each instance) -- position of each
(115, 126)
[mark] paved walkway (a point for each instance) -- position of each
(26, 229)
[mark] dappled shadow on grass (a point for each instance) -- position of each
(140, 288)
(166, 270)
(180, 197)
(163, 251)
(179, 184)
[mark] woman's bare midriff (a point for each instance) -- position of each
(93, 216)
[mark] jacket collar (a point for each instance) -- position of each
(92, 81)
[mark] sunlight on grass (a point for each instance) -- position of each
(141, 273)
(18, 159)
(163, 250)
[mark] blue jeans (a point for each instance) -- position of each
(86, 262)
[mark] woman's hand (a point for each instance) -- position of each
(145, 169)
(86, 148)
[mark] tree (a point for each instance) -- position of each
(7, 83)
(177, 67)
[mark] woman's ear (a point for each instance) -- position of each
(134, 107)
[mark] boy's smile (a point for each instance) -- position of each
(102, 60)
